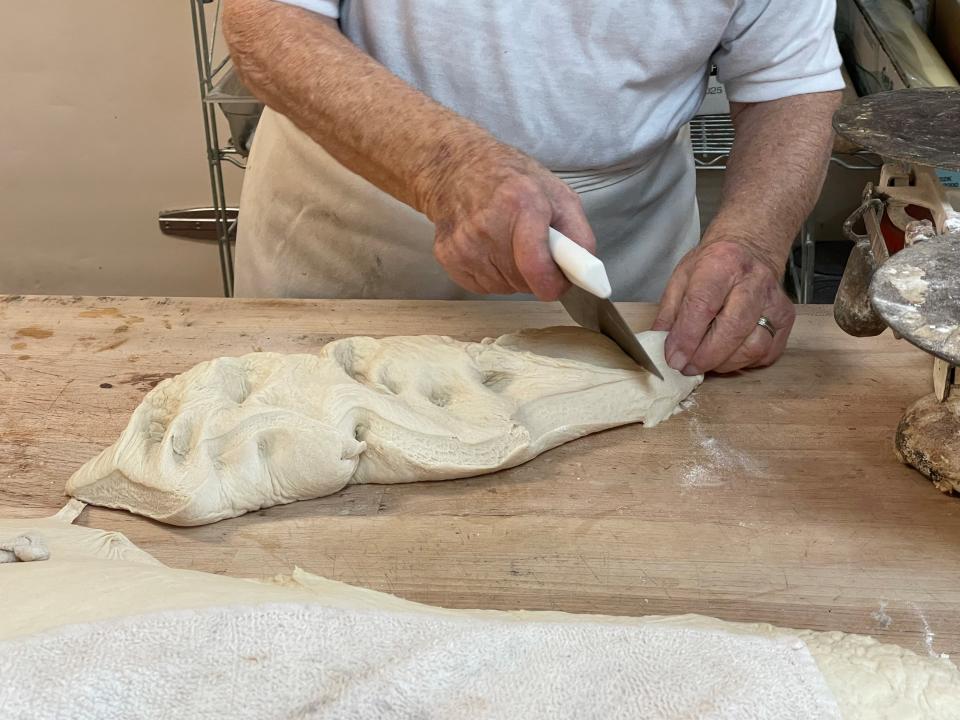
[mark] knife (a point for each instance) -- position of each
(588, 299)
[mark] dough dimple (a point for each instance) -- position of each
(237, 434)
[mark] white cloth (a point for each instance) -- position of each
(597, 90)
(95, 581)
(310, 661)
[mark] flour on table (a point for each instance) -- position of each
(719, 463)
(928, 634)
(881, 616)
(238, 434)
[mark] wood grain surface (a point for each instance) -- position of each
(776, 497)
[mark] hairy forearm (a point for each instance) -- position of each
(775, 173)
(372, 122)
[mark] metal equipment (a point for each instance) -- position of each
(220, 87)
(904, 272)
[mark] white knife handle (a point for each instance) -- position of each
(581, 268)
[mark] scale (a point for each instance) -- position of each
(904, 272)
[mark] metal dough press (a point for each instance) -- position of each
(904, 273)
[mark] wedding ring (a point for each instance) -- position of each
(765, 323)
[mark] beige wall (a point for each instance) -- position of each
(100, 129)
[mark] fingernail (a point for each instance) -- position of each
(677, 360)
(691, 370)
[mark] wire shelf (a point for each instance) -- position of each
(712, 139)
(212, 75)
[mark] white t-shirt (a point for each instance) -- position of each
(593, 84)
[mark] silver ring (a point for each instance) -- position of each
(765, 323)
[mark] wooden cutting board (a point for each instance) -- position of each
(775, 498)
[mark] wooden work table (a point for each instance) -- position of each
(776, 497)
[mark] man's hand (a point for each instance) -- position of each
(722, 288)
(491, 204)
(492, 216)
(712, 304)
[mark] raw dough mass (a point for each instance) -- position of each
(927, 439)
(24, 548)
(102, 626)
(239, 434)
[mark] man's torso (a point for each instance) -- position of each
(578, 85)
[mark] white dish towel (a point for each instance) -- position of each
(303, 660)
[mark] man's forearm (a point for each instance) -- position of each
(775, 174)
(364, 116)
(491, 205)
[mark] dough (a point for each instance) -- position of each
(24, 548)
(928, 438)
(238, 434)
(97, 588)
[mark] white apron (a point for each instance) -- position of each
(311, 228)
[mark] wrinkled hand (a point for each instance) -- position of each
(492, 215)
(712, 304)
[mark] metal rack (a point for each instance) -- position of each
(712, 139)
(220, 87)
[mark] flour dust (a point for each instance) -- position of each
(928, 635)
(881, 616)
(718, 462)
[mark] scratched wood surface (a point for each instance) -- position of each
(775, 498)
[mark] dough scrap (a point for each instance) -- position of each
(927, 439)
(94, 576)
(24, 548)
(238, 434)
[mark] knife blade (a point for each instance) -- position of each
(601, 315)
(588, 299)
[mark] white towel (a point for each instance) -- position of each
(296, 660)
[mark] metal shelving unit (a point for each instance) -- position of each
(220, 88)
(712, 139)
